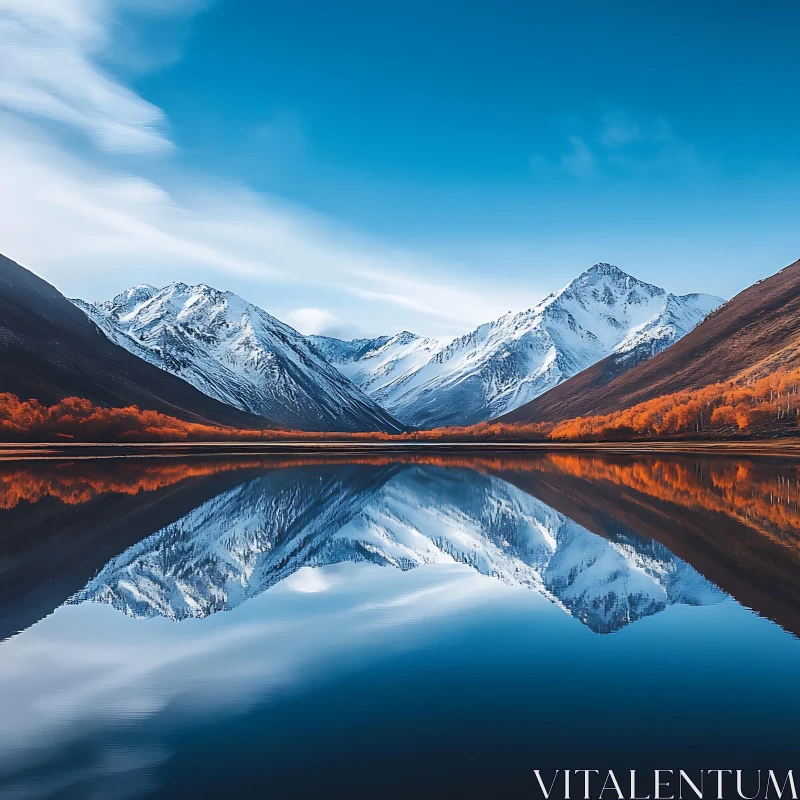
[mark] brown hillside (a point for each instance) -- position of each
(757, 332)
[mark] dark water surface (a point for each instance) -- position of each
(410, 626)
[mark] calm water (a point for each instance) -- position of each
(381, 627)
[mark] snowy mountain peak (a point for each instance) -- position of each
(239, 354)
(338, 351)
(380, 366)
(405, 337)
(501, 365)
(608, 284)
(140, 291)
(130, 299)
(602, 268)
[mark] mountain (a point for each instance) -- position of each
(755, 333)
(238, 354)
(49, 350)
(247, 539)
(380, 366)
(504, 364)
(339, 352)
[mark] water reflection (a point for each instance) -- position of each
(607, 539)
(219, 625)
(245, 540)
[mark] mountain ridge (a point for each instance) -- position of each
(237, 353)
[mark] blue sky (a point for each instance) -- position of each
(361, 167)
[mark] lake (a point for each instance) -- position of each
(408, 625)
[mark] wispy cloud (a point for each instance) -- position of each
(621, 142)
(93, 219)
(580, 160)
(647, 147)
(47, 70)
(619, 130)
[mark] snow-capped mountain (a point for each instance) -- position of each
(505, 363)
(237, 353)
(378, 364)
(337, 351)
(246, 540)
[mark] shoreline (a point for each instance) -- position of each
(98, 450)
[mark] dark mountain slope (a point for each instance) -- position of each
(50, 350)
(753, 334)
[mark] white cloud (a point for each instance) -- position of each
(47, 70)
(93, 222)
(578, 161)
(94, 230)
(646, 147)
(317, 322)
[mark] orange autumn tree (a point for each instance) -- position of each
(78, 419)
(764, 405)
(750, 406)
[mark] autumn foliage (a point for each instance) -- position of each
(79, 420)
(765, 406)
(753, 407)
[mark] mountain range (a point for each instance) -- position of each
(603, 343)
(241, 356)
(503, 364)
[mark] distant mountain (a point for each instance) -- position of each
(755, 333)
(248, 539)
(339, 352)
(504, 364)
(238, 354)
(381, 366)
(50, 350)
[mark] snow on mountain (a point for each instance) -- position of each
(376, 365)
(339, 352)
(237, 353)
(246, 540)
(679, 316)
(505, 363)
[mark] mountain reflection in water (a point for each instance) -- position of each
(608, 539)
(402, 625)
